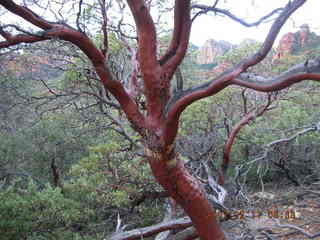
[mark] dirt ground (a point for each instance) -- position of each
(285, 213)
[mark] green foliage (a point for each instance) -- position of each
(32, 150)
(245, 49)
(39, 214)
(208, 66)
(286, 62)
(114, 174)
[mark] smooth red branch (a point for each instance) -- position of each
(147, 40)
(181, 29)
(18, 39)
(233, 134)
(187, 192)
(181, 36)
(309, 70)
(155, 91)
(179, 103)
(26, 14)
(96, 57)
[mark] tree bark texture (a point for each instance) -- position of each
(160, 120)
(171, 173)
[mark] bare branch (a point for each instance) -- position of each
(146, 36)
(179, 102)
(78, 17)
(87, 46)
(26, 14)
(105, 46)
(235, 130)
(18, 39)
(310, 70)
(181, 29)
(300, 230)
(205, 9)
(313, 128)
(179, 80)
(176, 224)
(55, 173)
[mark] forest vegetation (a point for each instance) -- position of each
(111, 128)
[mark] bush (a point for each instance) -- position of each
(27, 212)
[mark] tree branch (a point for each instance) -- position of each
(205, 9)
(176, 224)
(310, 70)
(181, 32)
(234, 132)
(12, 40)
(313, 128)
(96, 57)
(179, 102)
(155, 89)
(78, 17)
(26, 14)
(105, 44)
(300, 230)
(146, 36)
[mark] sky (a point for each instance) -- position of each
(222, 28)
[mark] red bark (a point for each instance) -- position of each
(186, 191)
(160, 125)
(228, 77)
(233, 134)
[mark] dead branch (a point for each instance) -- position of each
(206, 9)
(298, 229)
(176, 224)
(249, 116)
(178, 103)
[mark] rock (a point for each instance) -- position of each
(304, 34)
(211, 50)
(287, 44)
(291, 43)
(221, 67)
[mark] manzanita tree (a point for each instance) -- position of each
(157, 119)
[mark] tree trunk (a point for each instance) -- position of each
(170, 172)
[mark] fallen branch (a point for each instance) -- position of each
(313, 128)
(300, 230)
(140, 233)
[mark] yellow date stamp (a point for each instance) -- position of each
(275, 213)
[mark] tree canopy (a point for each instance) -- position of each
(131, 71)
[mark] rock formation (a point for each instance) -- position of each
(291, 43)
(304, 35)
(296, 43)
(211, 50)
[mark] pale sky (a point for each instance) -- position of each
(222, 28)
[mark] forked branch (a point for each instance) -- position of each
(180, 39)
(205, 9)
(97, 58)
(310, 70)
(249, 116)
(175, 224)
(180, 102)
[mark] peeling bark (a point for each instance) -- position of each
(163, 112)
(170, 172)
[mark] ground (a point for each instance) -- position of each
(279, 214)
